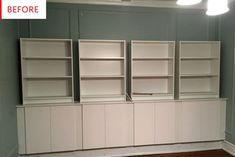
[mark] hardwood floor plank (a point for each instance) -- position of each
(212, 153)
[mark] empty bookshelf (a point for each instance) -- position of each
(102, 70)
(152, 70)
(47, 70)
(199, 69)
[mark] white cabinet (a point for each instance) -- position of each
(201, 121)
(63, 128)
(144, 115)
(68, 127)
(165, 123)
(155, 123)
(178, 122)
(93, 126)
(189, 122)
(49, 129)
(109, 125)
(211, 117)
(38, 130)
(119, 125)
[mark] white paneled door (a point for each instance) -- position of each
(119, 125)
(210, 120)
(79, 127)
(189, 122)
(63, 128)
(93, 126)
(144, 114)
(165, 120)
(38, 129)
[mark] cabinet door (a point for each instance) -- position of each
(119, 125)
(165, 123)
(144, 114)
(38, 130)
(63, 128)
(21, 130)
(210, 120)
(189, 121)
(79, 126)
(93, 126)
(222, 119)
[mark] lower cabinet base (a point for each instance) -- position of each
(120, 127)
(140, 150)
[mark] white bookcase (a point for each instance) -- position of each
(102, 70)
(199, 69)
(47, 70)
(152, 70)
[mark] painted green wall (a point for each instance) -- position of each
(118, 22)
(227, 37)
(9, 87)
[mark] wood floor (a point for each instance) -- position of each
(213, 153)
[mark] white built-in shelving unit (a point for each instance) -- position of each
(103, 118)
(199, 69)
(102, 70)
(47, 70)
(152, 70)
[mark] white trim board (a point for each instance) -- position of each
(144, 150)
(229, 147)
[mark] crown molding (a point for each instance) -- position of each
(139, 3)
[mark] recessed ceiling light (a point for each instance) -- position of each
(217, 7)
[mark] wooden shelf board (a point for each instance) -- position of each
(151, 94)
(199, 42)
(101, 76)
(100, 41)
(47, 58)
(153, 58)
(199, 58)
(198, 93)
(152, 76)
(48, 97)
(151, 42)
(46, 39)
(101, 96)
(198, 75)
(47, 77)
(102, 59)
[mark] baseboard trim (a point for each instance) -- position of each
(13, 152)
(229, 147)
(143, 150)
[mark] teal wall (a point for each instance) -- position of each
(117, 22)
(227, 37)
(9, 87)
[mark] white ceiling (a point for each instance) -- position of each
(145, 3)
